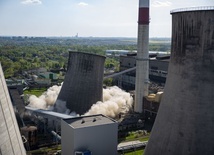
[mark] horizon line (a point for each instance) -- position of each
(24, 36)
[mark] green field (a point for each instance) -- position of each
(135, 136)
(37, 92)
(138, 152)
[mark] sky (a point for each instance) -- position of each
(88, 18)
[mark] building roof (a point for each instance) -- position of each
(48, 113)
(89, 121)
(201, 8)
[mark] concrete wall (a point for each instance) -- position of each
(11, 142)
(159, 65)
(185, 120)
(83, 82)
(67, 141)
(127, 62)
(158, 70)
(100, 140)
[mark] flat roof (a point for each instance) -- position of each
(49, 113)
(201, 8)
(89, 121)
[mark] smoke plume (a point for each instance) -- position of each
(115, 101)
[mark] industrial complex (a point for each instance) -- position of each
(172, 90)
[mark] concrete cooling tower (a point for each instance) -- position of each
(11, 142)
(185, 121)
(83, 84)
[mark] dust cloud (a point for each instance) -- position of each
(115, 101)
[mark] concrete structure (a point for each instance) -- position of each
(142, 75)
(11, 142)
(83, 82)
(96, 133)
(185, 120)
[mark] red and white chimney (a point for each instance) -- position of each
(142, 60)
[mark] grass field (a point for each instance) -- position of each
(37, 92)
(138, 152)
(136, 136)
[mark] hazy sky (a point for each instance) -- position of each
(98, 18)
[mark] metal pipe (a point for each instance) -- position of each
(56, 135)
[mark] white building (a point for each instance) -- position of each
(96, 134)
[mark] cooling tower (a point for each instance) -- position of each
(11, 142)
(83, 84)
(185, 121)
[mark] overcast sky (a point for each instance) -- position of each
(97, 18)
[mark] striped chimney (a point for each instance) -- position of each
(142, 60)
(143, 17)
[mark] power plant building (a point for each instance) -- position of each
(158, 68)
(83, 84)
(185, 121)
(11, 141)
(95, 134)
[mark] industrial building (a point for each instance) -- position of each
(158, 68)
(83, 83)
(184, 124)
(11, 141)
(95, 134)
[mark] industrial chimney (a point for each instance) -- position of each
(185, 120)
(83, 84)
(142, 60)
(11, 142)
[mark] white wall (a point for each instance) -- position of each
(100, 139)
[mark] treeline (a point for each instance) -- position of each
(15, 57)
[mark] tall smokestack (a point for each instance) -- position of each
(142, 64)
(11, 141)
(83, 84)
(185, 121)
